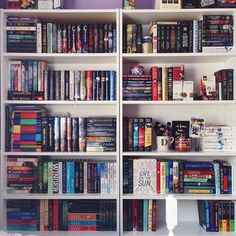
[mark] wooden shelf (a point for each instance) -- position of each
(58, 196)
(97, 103)
(179, 154)
(61, 154)
(169, 58)
(70, 16)
(145, 16)
(66, 58)
(188, 197)
(176, 103)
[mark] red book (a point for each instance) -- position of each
(154, 72)
(135, 214)
(158, 177)
(178, 73)
(27, 179)
(199, 172)
(55, 215)
(13, 4)
(82, 228)
(154, 215)
(28, 115)
(21, 222)
(89, 85)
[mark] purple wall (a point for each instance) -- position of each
(99, 4)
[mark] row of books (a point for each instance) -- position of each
(137, 134)
(168, 84)
(61, 215)
(28, 128)
(213, 31)
(140, 215)
(34, 175)
(33, 80)
(186, 135)
(189, 4)
(26, 34)
(217, 216)
(151, 176)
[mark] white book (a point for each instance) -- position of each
(39, 38)
(177, 90)
(72, 85)
(45, 4)
(62, 85)
(85, 177)
(144, 171)
(60, 178)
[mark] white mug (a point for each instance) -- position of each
(164, 142)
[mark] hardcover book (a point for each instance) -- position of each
(144, 176)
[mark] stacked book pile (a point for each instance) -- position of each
(24, 128)
(21, 34)
(140, 215)
(22, 215)
(101, 135)
(137, 87)
(217, 216)
(218, 138)
(137, 134)
(61, 215)
(217, 31)
(22, 175)
(167, 176)
(92, 215)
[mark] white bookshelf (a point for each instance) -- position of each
(214, 112)
(85, 61)
(196, 65)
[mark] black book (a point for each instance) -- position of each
(106, 46)
(91, 38)
(130, 176)
(130, 134)
(103, 86)
(73, 39)
(98, 85)
(67, 85)
(96, 39)
(44, 37)
(85, 39)
(170, 83)
(139, 37)
(100, 39)
(129, 216)
(125, 133)
(107, 91)
(110, 38)
(124, 38)
(140, 215)
(75, 138)
(94, 86)
(185, 36)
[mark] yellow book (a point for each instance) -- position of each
(163, 177)
(164, 83)
(46, 214)
(42, 217)
(197, 191)
(150, 215)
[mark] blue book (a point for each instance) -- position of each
(82, 222)
(72, 177)
(217, 177)
(112, 85)
(68, 177)
(207, 208)
(229, 179)
(135, 134)
(35, 76)
(171, 177)
(145, 215)
(99, 177)
(200, 165)
(167, 177)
